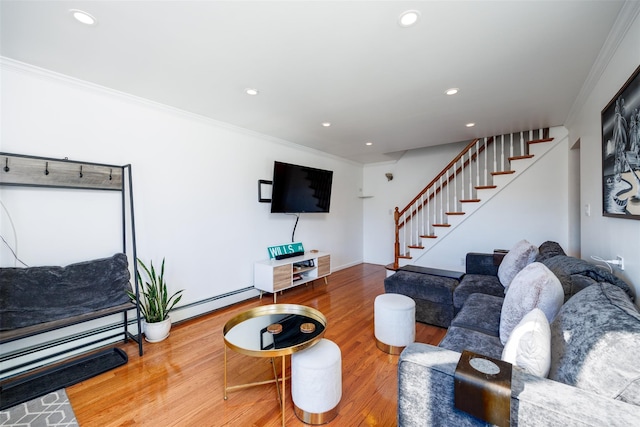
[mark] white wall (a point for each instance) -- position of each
(195, 186)
(604, 236)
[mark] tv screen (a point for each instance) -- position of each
(298, 189)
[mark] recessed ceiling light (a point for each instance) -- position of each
(368, 143)
(251, 91)
(452, 91)
(409, 18)
(83, 17)
(326, 124)
(470, 125)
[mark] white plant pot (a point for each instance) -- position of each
(157, 331)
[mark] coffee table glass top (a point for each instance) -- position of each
(274, 330)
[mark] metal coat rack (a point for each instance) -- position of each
(32, 171)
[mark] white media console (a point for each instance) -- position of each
(273, 275)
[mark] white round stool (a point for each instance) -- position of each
(394, 320)
(316, 382)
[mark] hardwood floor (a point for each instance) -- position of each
(179, 382)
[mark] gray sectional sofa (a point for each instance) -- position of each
(594, 367)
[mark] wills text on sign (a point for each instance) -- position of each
(280, 250)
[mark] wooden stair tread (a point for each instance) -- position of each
(502, 173)
(485, 187)
(470, 200)
(454, 213)
(528, 156)
(430, 236)
(405, 256)
(441, 225)
(415, 247)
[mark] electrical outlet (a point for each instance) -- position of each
(620, 262)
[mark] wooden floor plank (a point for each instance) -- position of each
(179, 381)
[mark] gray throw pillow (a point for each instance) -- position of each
(522, 254)
(595, 343)
(534, 287)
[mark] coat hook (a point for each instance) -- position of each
(6, 164)
(80, 171)
(46, 168)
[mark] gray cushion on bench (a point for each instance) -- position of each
(33, 295)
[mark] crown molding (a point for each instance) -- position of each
(626, 17)
(43, 73)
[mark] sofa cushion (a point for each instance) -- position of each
(595, 343)
(476, 283)
(529, 345)
(522, 254)
(535, 286)
(459, 339)
(33, 295)
(481, 312)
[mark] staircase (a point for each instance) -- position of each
(481, 170)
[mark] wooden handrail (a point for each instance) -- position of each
(434, 180)
(444, 184)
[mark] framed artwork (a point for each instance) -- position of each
(621, 152)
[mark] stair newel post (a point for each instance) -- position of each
(396, 218)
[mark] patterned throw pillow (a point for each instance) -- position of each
(521, 255)
(534, 287)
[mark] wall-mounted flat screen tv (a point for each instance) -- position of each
(298, 189)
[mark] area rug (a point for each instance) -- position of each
(50, 410)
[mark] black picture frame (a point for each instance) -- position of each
(620, 121)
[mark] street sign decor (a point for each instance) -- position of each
(281, 251)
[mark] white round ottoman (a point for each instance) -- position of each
(394, 320)
(316, 382)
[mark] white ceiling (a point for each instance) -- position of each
(518, 64)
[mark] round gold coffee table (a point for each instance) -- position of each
(274, 330)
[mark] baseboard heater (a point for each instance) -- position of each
(60, 376)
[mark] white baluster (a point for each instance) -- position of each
(446, 189)
(455, 185)
(511, 145)
(486, 176)
(462, 181)
(501, 152)
(477, 162)
(495, 156)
